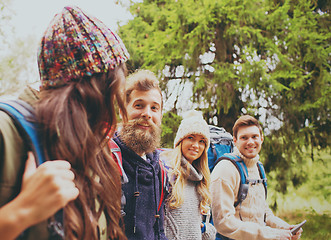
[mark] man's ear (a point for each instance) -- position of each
(234, 139)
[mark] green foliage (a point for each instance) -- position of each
(308, 184)
(5, 16)
(16, 66)
(319, 176)
(317, 227)
(310, 200)
(17, 55)
(170, 124)
(268, 58)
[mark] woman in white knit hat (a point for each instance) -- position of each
(189, 177)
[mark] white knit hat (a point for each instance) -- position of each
(192, 123)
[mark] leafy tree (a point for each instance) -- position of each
(170, 124)
(5, 17)
(18, 66)
(267, 58)
(18, 56)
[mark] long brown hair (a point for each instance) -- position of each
(76, 119)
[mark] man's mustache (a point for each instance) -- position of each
(141, 121)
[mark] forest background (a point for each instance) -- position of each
(267, 58)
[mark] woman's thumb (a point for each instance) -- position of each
(30, 166)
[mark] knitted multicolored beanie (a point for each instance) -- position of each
(192, 123)
(76, 45)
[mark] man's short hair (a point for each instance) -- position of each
(245, 120)
(141, 80)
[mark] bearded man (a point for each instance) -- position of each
(138, 140)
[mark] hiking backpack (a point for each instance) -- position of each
(221, 142)
(221, 147)
(24, 119)
(245, 181)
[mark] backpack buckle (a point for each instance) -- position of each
(136, 194)
(253, 181)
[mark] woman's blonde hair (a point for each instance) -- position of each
(180, 173)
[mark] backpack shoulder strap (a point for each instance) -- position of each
(212, 146)
(24, 119)
(165, 168)
(263, 177)
(239, 164)
(243, 172)
(116, 153)
(164, 183)
(117, 156)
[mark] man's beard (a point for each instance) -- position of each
(141, 140)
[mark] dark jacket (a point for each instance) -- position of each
(142, 194)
